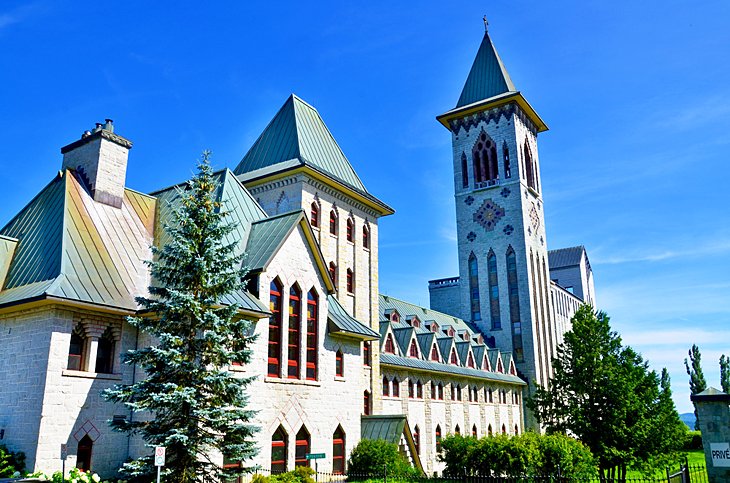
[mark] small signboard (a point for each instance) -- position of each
(720, 453)
(64, 451)
(160, 456)
(314, 456)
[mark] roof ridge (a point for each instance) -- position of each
(279, 215)
(487, 78)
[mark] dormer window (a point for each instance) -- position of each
(454, 360)
(434, 353)
(413, 321)
(395, 317)
(413, 350)
(389, 345)
(470, 361)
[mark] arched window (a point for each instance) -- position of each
(457, 429)
(493, 291)
(314, 218)
(386, 386)
(484, 153)
(83, 453)
(413, 350)
(339, 364)
(338, 451)
(293, 344)
(278, 451)
(350, 230)
(434, 353)
(489, 430)
(76, 350)
(396, 387)
(517, 430)
(438, 437)
(441, 391)
(275, 299)
(333, 273)
(514, 305)
(301, 448)
(417, 439)
(470, 361)
(105, 353)
(453, 392)
(365, 237)
(312, 337)
(464, 172)
(411, 389)
(366, 403)
(419, 389)
(333, 222)
(389, 345)
(350, 281)
(504, 429)
(474, 431)
(476, 312)
(433, 390)
(366, 357)
(529, 167)
(458, 392)
(454, 360)
(505, 157)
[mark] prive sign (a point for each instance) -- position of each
(720, 453)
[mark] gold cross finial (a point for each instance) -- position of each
(486, 24)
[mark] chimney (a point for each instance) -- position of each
(100, 158)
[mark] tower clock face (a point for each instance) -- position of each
(534, 218)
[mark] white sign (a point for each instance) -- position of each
(720, 453)
(160, 456)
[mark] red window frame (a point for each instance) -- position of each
(366, 403)
(301, 447)
(333, 223)
(339, 364)
(312, 337)
(333, 272)
(438, 438)
(338, 451)
(411, 392)
(413, 350)
(470, 361)
(441, 391)
(454, 360)
(365, 237)
(434, 353)
(366, 356)
(417, 439)
(396, 387)
(389, 345)
(350, 281)
(350, 230)
(274, 355)
(386, 386)
(314, 218)
(419, 390)
(295, 326)
(278, 451)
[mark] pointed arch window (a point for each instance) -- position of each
(278, 451)
(413, 350)
(454, 360)
(476, 313)
(76, 350)
(366, 403)
(438, 438)
(350, 281)
(417, 439)
(517, 430)
(457, 429)
(484, 154)
(396, 387)
(333, 222)
(367, 360)
(350, 230)
(339, 364)
(338, 451)
(505, 158)
(493, 291)
(458, 392)
(365, 237)
(504, 429)
(389, 345)
(411, 389)
(531, 173)
(314, 215)
(489, 430)
(301, 448)
(105, 353)
(84, 452)
(514, 305)
(434, 353)
(474, 431)
(464, 171)
(312, 336)
(419, 390)
(470, 361)
(386, 386)
(293, 344)
(274, 354)
(441, 391)
(433, 390)
(333, 272)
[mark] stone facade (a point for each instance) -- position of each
(713, 414)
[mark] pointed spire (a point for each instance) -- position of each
(488, 77)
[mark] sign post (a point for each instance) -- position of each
(159, 460)
(315, 457)
(64, 455)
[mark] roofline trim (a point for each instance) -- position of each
(496, 101)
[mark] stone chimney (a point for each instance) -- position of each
(100, 158)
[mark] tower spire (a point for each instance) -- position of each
(486, 24)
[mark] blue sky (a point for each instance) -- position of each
(633, 167)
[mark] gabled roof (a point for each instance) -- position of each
(487, 78)
(342, 323)
(403, 336)
(7, 250)
(391, 428)
(425, 341)
(445, 344)
(267, 236)
(297, 132)
(431, 366)
(462, 350)
(566, 257)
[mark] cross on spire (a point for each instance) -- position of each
(486, 24)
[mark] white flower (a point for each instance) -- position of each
(74, 480)
(95, 477)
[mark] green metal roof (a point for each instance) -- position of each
(342, 323)
(267, 236)
(462, 350)
(430, 366)
(7, 250)
(390, 428)
(295, 136)
(388, 303)
(487, 78)
(403, 336)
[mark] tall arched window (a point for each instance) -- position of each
(365, 237)
(366, 403)
(301, 448)
(389, 345)
(517, 430)
(312, 336)
(458, 392)
(396, 387)
(438, 438)
(530, 167)
(411, 389)
(366, 357)
(464, 172)
(470, 361)
(278, 451)
(314, 218)
(505, 158)
(419, 389)
(457, 429)
(386, 386)
(339, 364)
(350, 230)
(441, 391)
(489, 430)
(105, 353)
(493, 291)
(434, 353)
(275, 300)
(293, 344)
(504, 429)
(76, 350)
(333, 222)
(84, 452)
(413, 350)
(474, 431)
(338, 451)
(350, 281)
(333, 273)
(454, 360)
(417, 439)
(514, 305)
(484, 154)
(476, 313)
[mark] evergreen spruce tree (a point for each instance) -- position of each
(725, 373)
(190, 401)
(697, 382)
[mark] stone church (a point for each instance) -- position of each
(335, 361)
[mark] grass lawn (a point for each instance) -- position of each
(694, 458)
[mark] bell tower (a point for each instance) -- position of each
(503, 285)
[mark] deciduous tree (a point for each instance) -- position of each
(697, 382)
(725, 373)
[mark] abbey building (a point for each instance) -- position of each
(335, 361)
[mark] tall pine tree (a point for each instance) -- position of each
(725, 373)
(697, 382)
(193, 405)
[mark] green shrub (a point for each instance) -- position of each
(301, 474)
(10, 462)
(259, 478)
(371, 457)
(693, 441)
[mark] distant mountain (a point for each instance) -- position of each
(688, 419)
